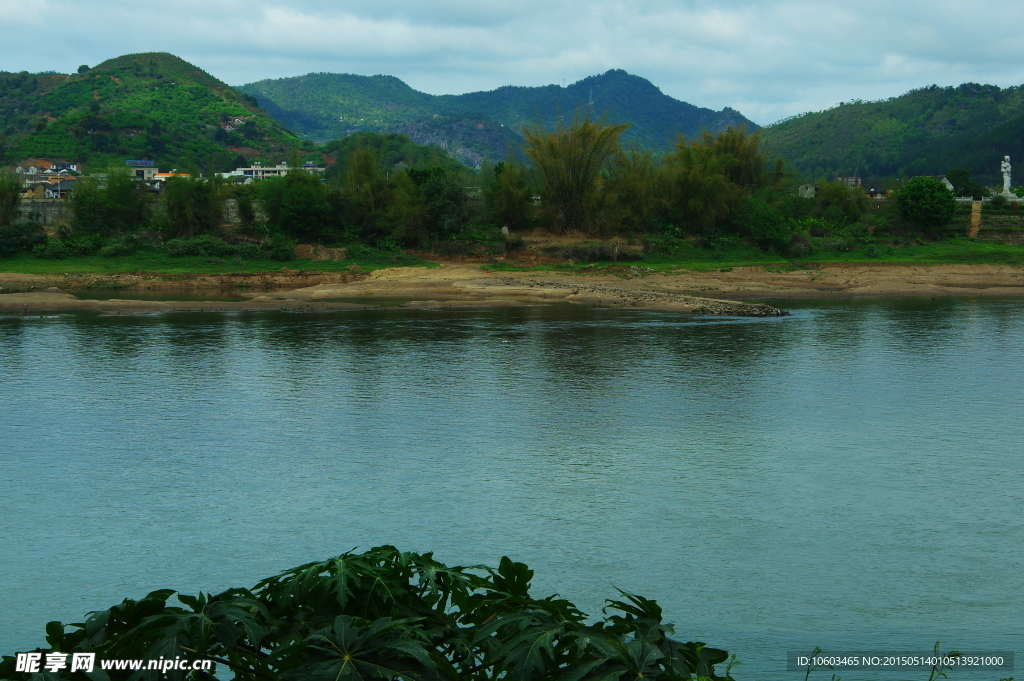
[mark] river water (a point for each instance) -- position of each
(850, 476)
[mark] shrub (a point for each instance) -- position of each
(998, 201)
(600, 252)
(281, 248)
(925, 202)
(20, 236)
(388, 615)
(51, 249)
(83, 244)
(194, 205)
(119, 247)
(840, 245)
(114, 206)
(799, 246)
(206, 245)
(250, 251)
(768, 227)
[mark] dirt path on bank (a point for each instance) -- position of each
(464, 285)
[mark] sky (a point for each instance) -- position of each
(768, 60)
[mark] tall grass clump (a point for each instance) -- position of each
(568, 160)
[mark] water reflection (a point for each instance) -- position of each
(743, 472)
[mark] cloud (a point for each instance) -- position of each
(767, 59)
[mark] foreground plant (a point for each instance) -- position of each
(385, 614)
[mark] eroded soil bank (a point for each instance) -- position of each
(464, 284)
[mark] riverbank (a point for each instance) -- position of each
(471, 285)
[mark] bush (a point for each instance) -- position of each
(51, 249)
(250, 251)
(768, 227)
(20, 236)
(281, 248)
(388, 615)
(925, 202)
(206, 246)
(83, 244)
(119, 247)
(600, 252)
(799, 246)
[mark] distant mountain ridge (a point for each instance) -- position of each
(927, 131)
(323, 105)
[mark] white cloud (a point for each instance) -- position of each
(769, 60)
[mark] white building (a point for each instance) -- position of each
(258, 171)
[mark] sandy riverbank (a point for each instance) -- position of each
(463, 285)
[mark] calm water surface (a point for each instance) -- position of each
(850, 476)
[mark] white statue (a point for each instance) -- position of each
(1005, 167)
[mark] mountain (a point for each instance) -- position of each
(924, 132)
(139, 106)
(324, 105)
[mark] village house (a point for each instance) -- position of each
(60, 190)
(35, 190)
(258, 171)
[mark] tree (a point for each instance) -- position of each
(963, 185)
(508, 196)
(194, 205)
(83, 68)
(568, 160)
(926, 202)
(391, 616)
(10, 198)
(297, 205)
(839, 203)
(114, 205)
(446, 200)
(696, 188)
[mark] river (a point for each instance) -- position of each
(850, 476)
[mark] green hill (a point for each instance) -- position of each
(323, 105)
(145, 106)
(924, 132)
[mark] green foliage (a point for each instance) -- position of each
(509, 196)
(20, 236)
(10, 198)
(769, 228)
(390, 615)
(51, 249)
(390, 151)
(194, 205)
(923, 132)
(281, 248)
(963, 185)
(999, 201)
(444, 195)
(112, 205)
(297, 205)
(926, 202)
(204, 245)
(839, 203)
(120, 247)
(330, 104)
(73, 246)
(568, 160)
(151, 105)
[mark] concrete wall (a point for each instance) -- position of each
(51, 212)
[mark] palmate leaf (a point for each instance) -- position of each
(385, 648)
(387, 614)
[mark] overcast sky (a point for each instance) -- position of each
(769, 60)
